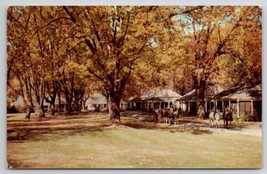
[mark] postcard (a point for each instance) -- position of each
(134, 87)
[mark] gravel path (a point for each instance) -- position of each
(241, 131)
(244, 131)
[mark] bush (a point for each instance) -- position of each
(250, 117)
(235, 118)
(12, 109)
(16, 109)
(247, 117)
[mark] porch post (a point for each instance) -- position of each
(206, 106)
(251, 107)
(237, 108)
(189, 106)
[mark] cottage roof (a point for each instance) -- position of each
(243, 93)
(135, 98)
(192, 95)
(164, 94)
(167, 93)
(211, 90)
(98, 98)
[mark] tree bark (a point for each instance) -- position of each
(40, 110)
(52, 109)
(68, 107)
(28, 113)
(201, 93)
(83, 105)
(59, 101)
(68, 103)
(115, 108)
(200, 86)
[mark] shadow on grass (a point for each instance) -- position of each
(97, 121)
(140, 125)
(36, 134)
(180, 128)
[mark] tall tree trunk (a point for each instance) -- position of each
(28, 113)
(83, 105)
(68, 106)
(115, 108)
(201, 93)
(201, 88)
(40, 110)
(68, 103)
(59, 102)
(52, 108)
(108, 106)
(200, 85)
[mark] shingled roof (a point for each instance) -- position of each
(241, 93)
(211, 90)
(192, 95)
(165, 93)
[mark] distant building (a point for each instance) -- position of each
(19, 102)
(97, 102)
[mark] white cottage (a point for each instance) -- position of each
(97, 101)
(246, 102)
(165, 98)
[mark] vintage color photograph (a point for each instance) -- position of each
(153, 87)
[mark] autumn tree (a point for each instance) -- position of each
(245, 62)
(20, 67)
(67, 52)
(117, 38)
(37, 51)
(213, 33)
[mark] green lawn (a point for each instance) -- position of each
(90, 141)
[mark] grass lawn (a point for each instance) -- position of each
(90, 141)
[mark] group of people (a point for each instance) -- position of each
(171, 115)
(226, 116)
(167, 115)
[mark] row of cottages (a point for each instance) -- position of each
(148, 101)
(97, 102)
(246, 102)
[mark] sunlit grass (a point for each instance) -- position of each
(133, 147)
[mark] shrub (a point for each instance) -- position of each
(16, 109)
(235, 118)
